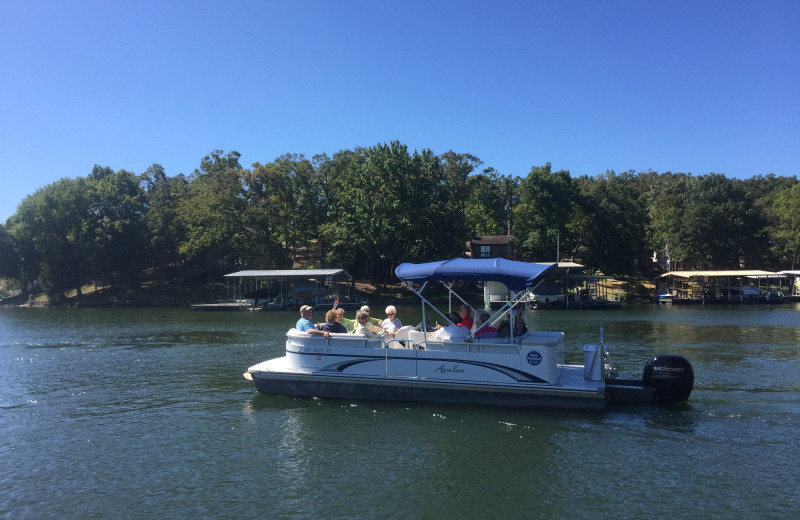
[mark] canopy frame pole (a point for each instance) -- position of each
(425, 301)
(502, 310)
(451, 292)
(512, 302)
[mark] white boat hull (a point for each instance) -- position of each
(501, 371)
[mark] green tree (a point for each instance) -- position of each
(9, 255)
(609, 225)
(21, 231)
(269, 215)
(117, 226)
(709, 221)
(435, 229)
(330, 175)
(665, 200)
(722, 229)
(766, 192)
(545, 207)
(389, 206)
(369, 191)
(457, 169)
(785, 230)
(164, 229)
(211, 211)
(491, 200)
(301, 203)
(54, 237)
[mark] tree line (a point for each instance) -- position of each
(369, 209)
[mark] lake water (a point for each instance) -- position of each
(141, 413)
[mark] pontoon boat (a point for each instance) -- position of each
(418, 365)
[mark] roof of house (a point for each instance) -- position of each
(490, 239)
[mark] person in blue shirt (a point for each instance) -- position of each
(332, 323)
(304, 324)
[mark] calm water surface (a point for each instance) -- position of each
(144, 413)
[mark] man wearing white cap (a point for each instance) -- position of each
(304, 324)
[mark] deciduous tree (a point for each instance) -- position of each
(546, 200)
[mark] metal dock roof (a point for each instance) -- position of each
(750, 273)
(278, 274)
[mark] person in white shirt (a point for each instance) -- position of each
(450, 331)
(363, 327)
(391, 324)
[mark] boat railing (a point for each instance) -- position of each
(481, 345)
(418, 340)
(336, 339)
(597, 363)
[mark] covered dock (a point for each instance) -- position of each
(792, 292)
(284, 289)
(731, 286)
(566, 288)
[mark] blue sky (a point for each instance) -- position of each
(587, 85)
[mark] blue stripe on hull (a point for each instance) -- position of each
(341, 366)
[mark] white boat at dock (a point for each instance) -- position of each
(524, 370)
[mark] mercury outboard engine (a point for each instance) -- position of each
(671, 375)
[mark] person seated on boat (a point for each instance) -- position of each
(462, 319)
(391, 324)
(465, 317)
(520, 327)
(304, 324)
(449, 331)
(348, 324)
(504, 330)
(332, 323)
(351, 325)
(376, 321)
(364, 327)
(481, 328)
(374, 324)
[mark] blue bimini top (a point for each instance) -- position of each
(515, 275)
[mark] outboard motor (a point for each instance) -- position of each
(671, 375)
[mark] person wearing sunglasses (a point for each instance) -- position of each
(391, 324)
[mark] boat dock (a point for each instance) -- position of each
(229, 306)
(728, 287)
(284, 289)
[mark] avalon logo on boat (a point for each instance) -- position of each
(453, 369)
(534, 358)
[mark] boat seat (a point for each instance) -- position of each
(400, 340)
(402, 332)
(417, 337)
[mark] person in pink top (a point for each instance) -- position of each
(481, 330)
